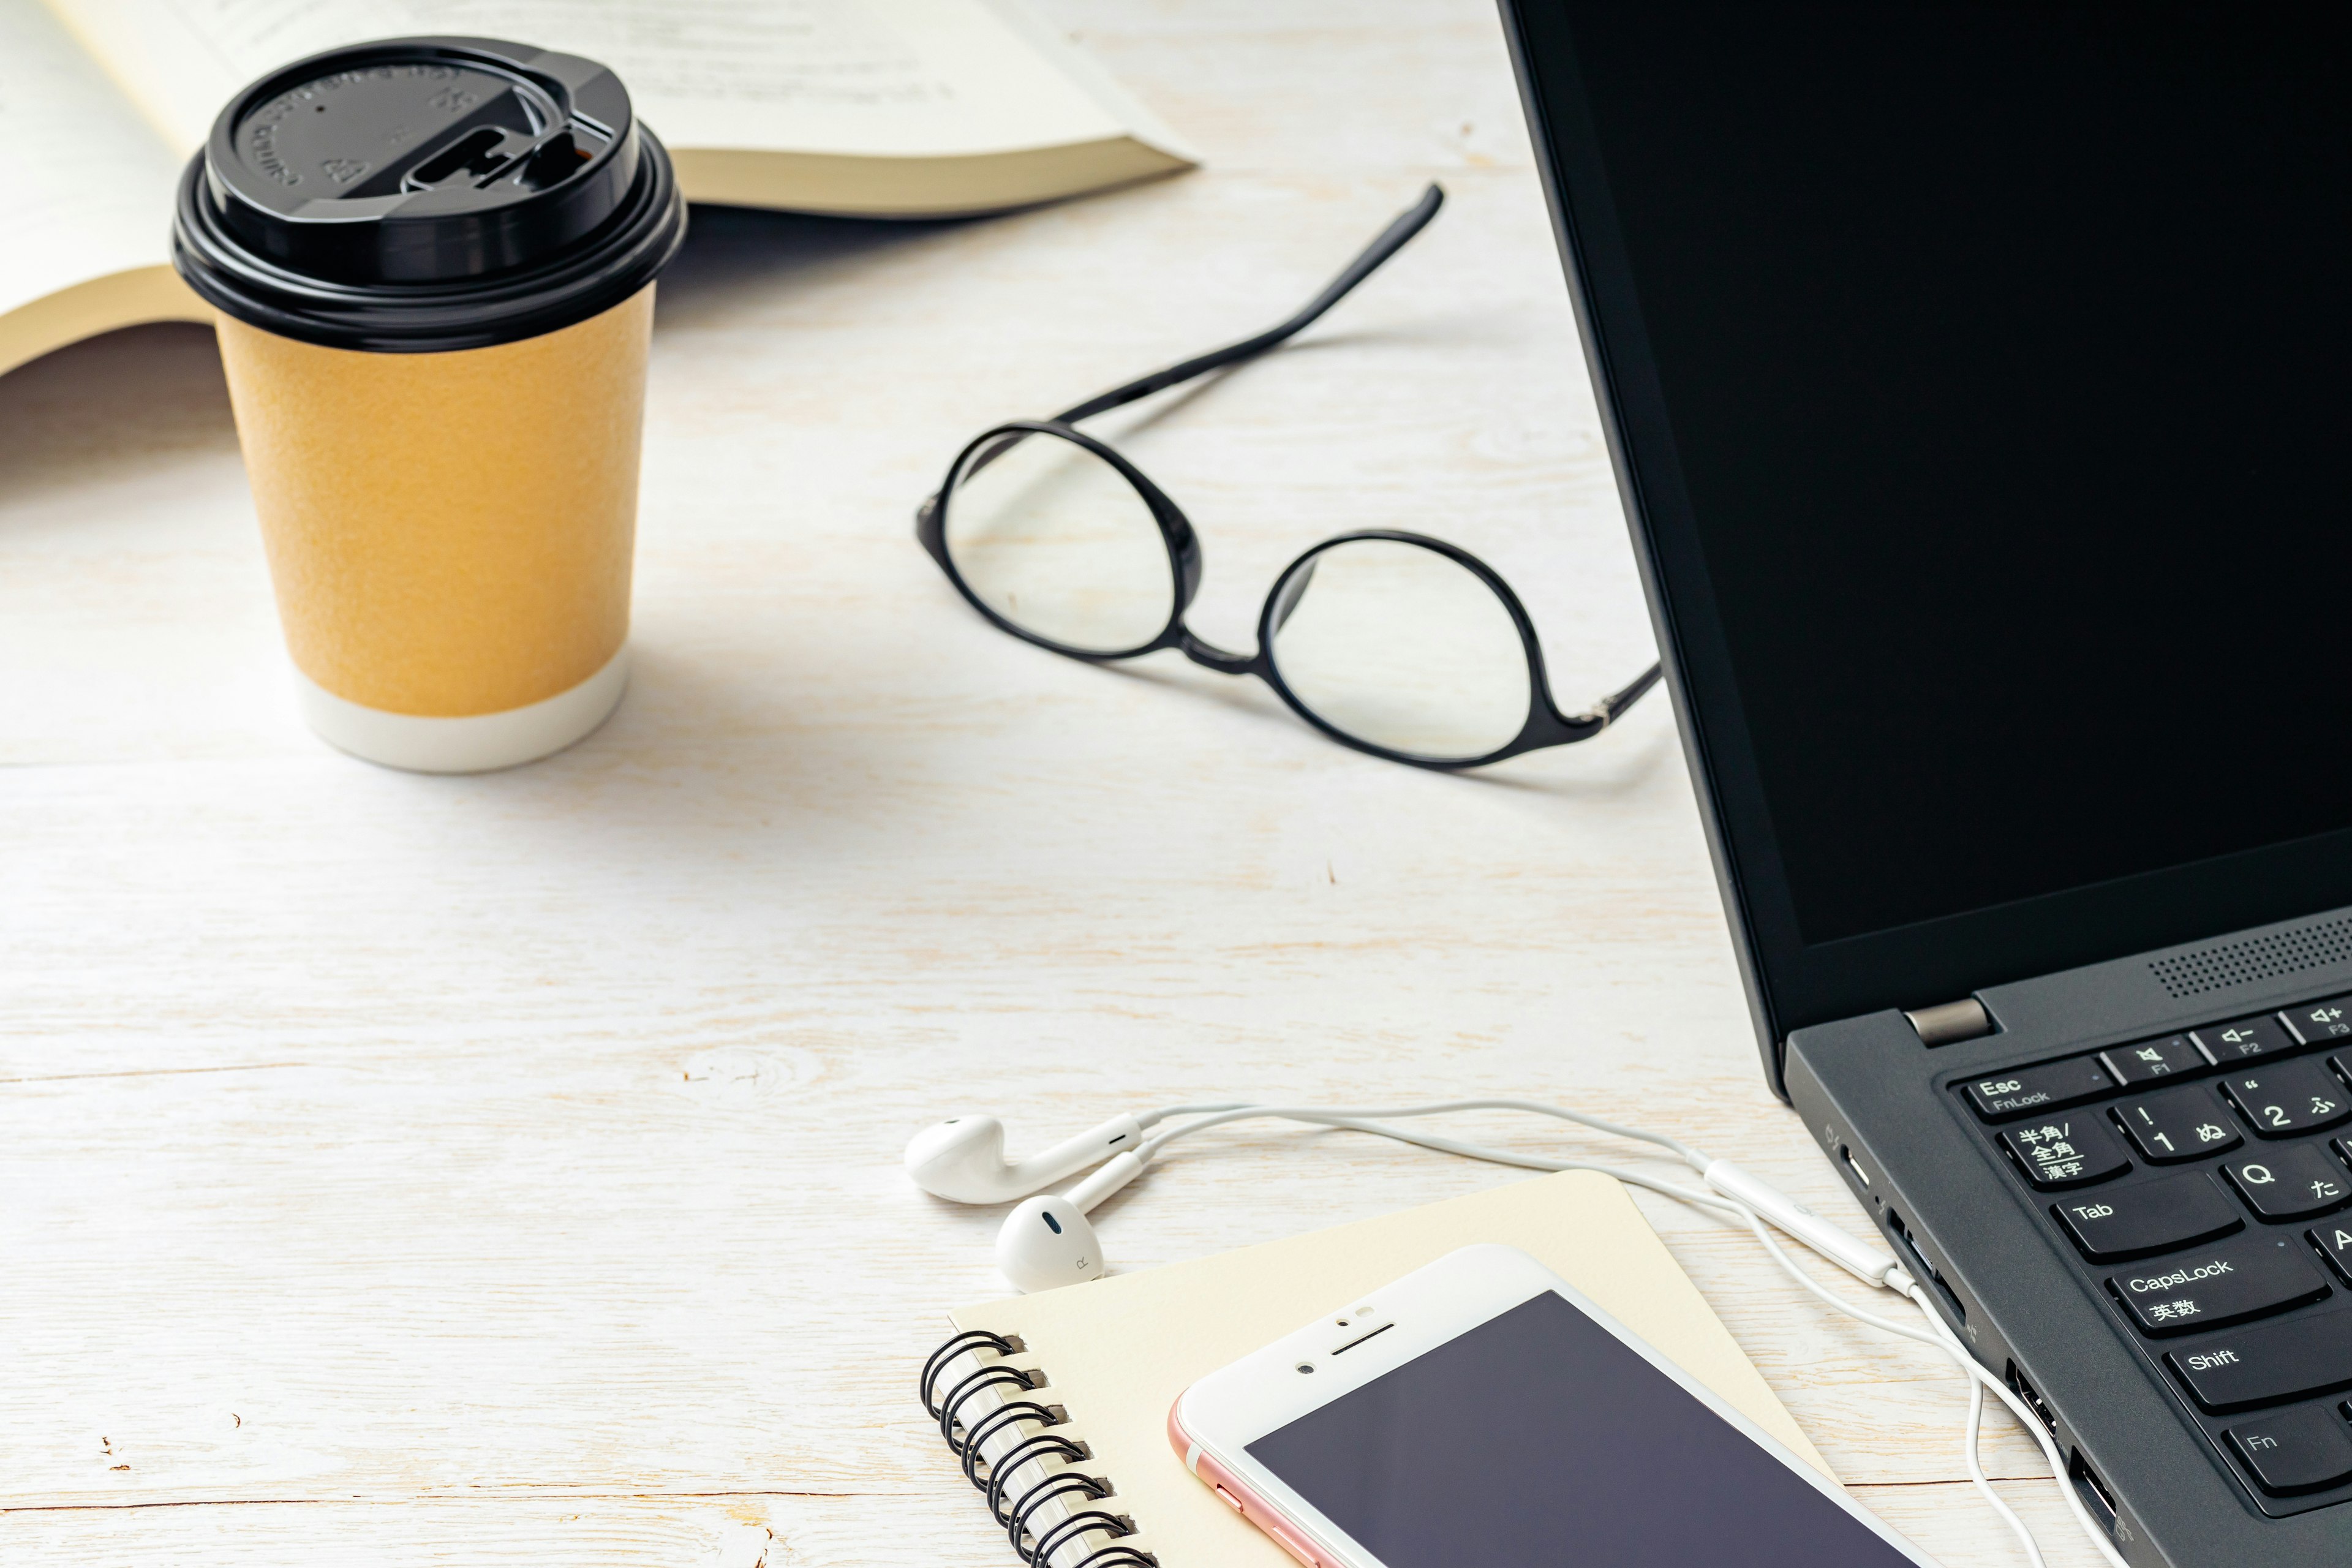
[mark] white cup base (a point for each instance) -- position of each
(474, 743)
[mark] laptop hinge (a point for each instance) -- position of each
(1964, 1019)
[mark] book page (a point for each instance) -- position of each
(866, 78)
(85, 186)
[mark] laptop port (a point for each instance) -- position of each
(1912, 1254)
(1860, 1175)
(2024, 1390)
(2095, 1495)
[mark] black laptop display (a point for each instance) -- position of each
(1979, 379)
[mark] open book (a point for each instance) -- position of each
(873, 107)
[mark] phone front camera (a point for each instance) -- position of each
(1306, 1366)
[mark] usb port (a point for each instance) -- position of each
(2095, 1495)
(1909, 1246)
(2024, 1390)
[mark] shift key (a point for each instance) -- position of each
(2266, 1363)
(2149, 1216)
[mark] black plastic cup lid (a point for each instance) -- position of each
(426, 194)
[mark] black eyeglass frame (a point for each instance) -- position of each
(1545, 725)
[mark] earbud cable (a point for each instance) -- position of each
(1938, 1334)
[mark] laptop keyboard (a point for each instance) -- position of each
(2203, 1184)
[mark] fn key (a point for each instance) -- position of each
(2296, 1450)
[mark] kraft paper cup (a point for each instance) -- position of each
(449, 534)
(434, 263)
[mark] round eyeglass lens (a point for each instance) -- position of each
(1056, 541)
(1405, 647)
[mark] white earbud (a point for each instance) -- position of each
(963, 1158)
(1048, 1241)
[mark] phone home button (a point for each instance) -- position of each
(1290, 1543)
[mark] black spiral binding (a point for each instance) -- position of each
(1013, 1512)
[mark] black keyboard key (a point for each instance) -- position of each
(2268, 1362)
(2153, 1059)
(2152, 1216)
(2227, 1043)
(2328, 1020)
(2215, 1286)
(2044, 1087)
(2182, 1124)
(2287, 1097)
(2291, 1180)
(2335, 1244)
(2067, 1150)
(2297, 1450)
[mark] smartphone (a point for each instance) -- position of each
(1482, 1410)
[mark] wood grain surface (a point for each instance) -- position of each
(505, 1170)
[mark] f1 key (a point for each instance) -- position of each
(2217, 1285)
(2150, 1217)
(2152, 1059)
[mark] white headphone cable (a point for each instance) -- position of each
(1899, 1279)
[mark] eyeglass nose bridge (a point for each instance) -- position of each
(1215, 657)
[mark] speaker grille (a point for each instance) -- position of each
(2228, 963)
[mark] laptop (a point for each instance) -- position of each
(1978, 382)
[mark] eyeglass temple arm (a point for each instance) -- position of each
(1606, 711)
(1409, 222)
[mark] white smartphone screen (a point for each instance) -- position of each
(1538, 1438)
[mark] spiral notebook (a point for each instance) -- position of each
(1067, 1392)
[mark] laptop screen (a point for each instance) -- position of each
(1996, 372)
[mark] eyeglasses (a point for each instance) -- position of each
(1397, 644)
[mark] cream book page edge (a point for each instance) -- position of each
(1118, 1351)
(839, 186)
(879, 108)
(100, 305)
(88, 185)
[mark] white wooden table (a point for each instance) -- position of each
(504, 1170)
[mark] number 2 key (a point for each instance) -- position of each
(2290, 1098)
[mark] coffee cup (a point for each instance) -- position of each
(433, 261)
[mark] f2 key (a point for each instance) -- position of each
(2289, 1098)
(2227, 1043)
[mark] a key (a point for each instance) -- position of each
(2066, 1151)
(2044, 1087)
(2184, 1123)
(2152, 1059)
(2335, 1244)
(2298, 1450)
(2173, 1211)
(2216, 1285)
(2290, 1181)
(2228, 1043)
(2328, 1020)
(2287, 1097)
(2267, 1363)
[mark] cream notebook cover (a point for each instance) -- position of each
(1117, 1353)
